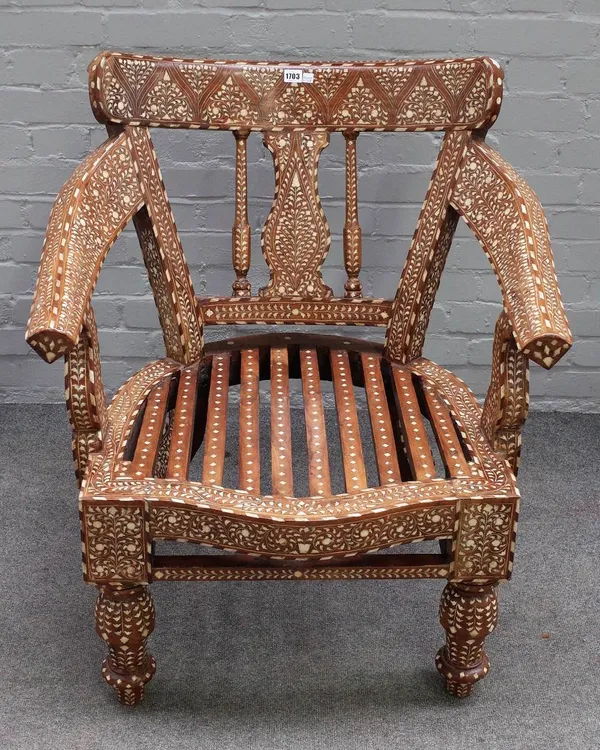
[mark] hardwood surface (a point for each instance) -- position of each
(444, 465)
(314, 417)
(216, 424)
(249, 475)
(399, 400)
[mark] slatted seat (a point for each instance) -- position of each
(186, 411)
(370, 446)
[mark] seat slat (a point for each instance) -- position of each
(352, 454)
(216, 423)
(249, 477)
(282, 478)
(319, 481)
(381, 423)
(183, 425)
(151, 430)
(445, 434)
(414, 434)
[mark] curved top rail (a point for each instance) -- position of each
(403, 95)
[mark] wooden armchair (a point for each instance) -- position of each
(133, 457)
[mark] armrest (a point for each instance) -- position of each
(507, 219)
(91, 210)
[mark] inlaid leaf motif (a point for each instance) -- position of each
(117, 100)
(198, 78)
(166, 97)
(369, 95)
(472, 102)
(424, 104)
(262, 79)
(136, 72)
(394, 81)
(426, 256)
(177, 282)
(507, 218)
(484, 539)
(296, 235)
(115, 542)
(329, 80)
(296, 106)
(455, 76)
(229, 104)
(361, 106)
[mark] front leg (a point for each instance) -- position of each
(468, 613)
(125, 619)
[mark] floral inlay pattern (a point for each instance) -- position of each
(507, 401)
(484, 542)
(324, 540)
(426, 256)
(394, 95)
(115, 542)
(133, 457)
(296, 236)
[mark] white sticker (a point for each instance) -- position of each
(292, 75)
(297, 75)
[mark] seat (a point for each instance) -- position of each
(371, 446)
(162, 417)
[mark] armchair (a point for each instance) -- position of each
(320, 517)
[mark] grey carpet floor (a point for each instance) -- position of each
(273, 666)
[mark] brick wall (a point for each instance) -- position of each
(549, 129)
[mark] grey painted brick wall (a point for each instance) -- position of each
(549, 128)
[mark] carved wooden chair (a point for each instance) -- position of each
(133, 457)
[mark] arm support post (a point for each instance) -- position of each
(84, 392)
(507, 400)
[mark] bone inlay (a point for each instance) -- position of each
(249, 476)
(316, 438)
(216, 425)
(416, 444)
(169, 245)
(133, 456)
(445, 433)
(381, 423)
(183, 427)
(352, 230)
(283, 310)
(241, 229)
(151, 430)
(296, 235)
(352, 454)
(282, 479)
(402, 95)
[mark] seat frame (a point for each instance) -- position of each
(135, 488)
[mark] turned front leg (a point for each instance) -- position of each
(468, 614)
(125, 619)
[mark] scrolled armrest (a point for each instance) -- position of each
(92, 208)
(508, 220)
